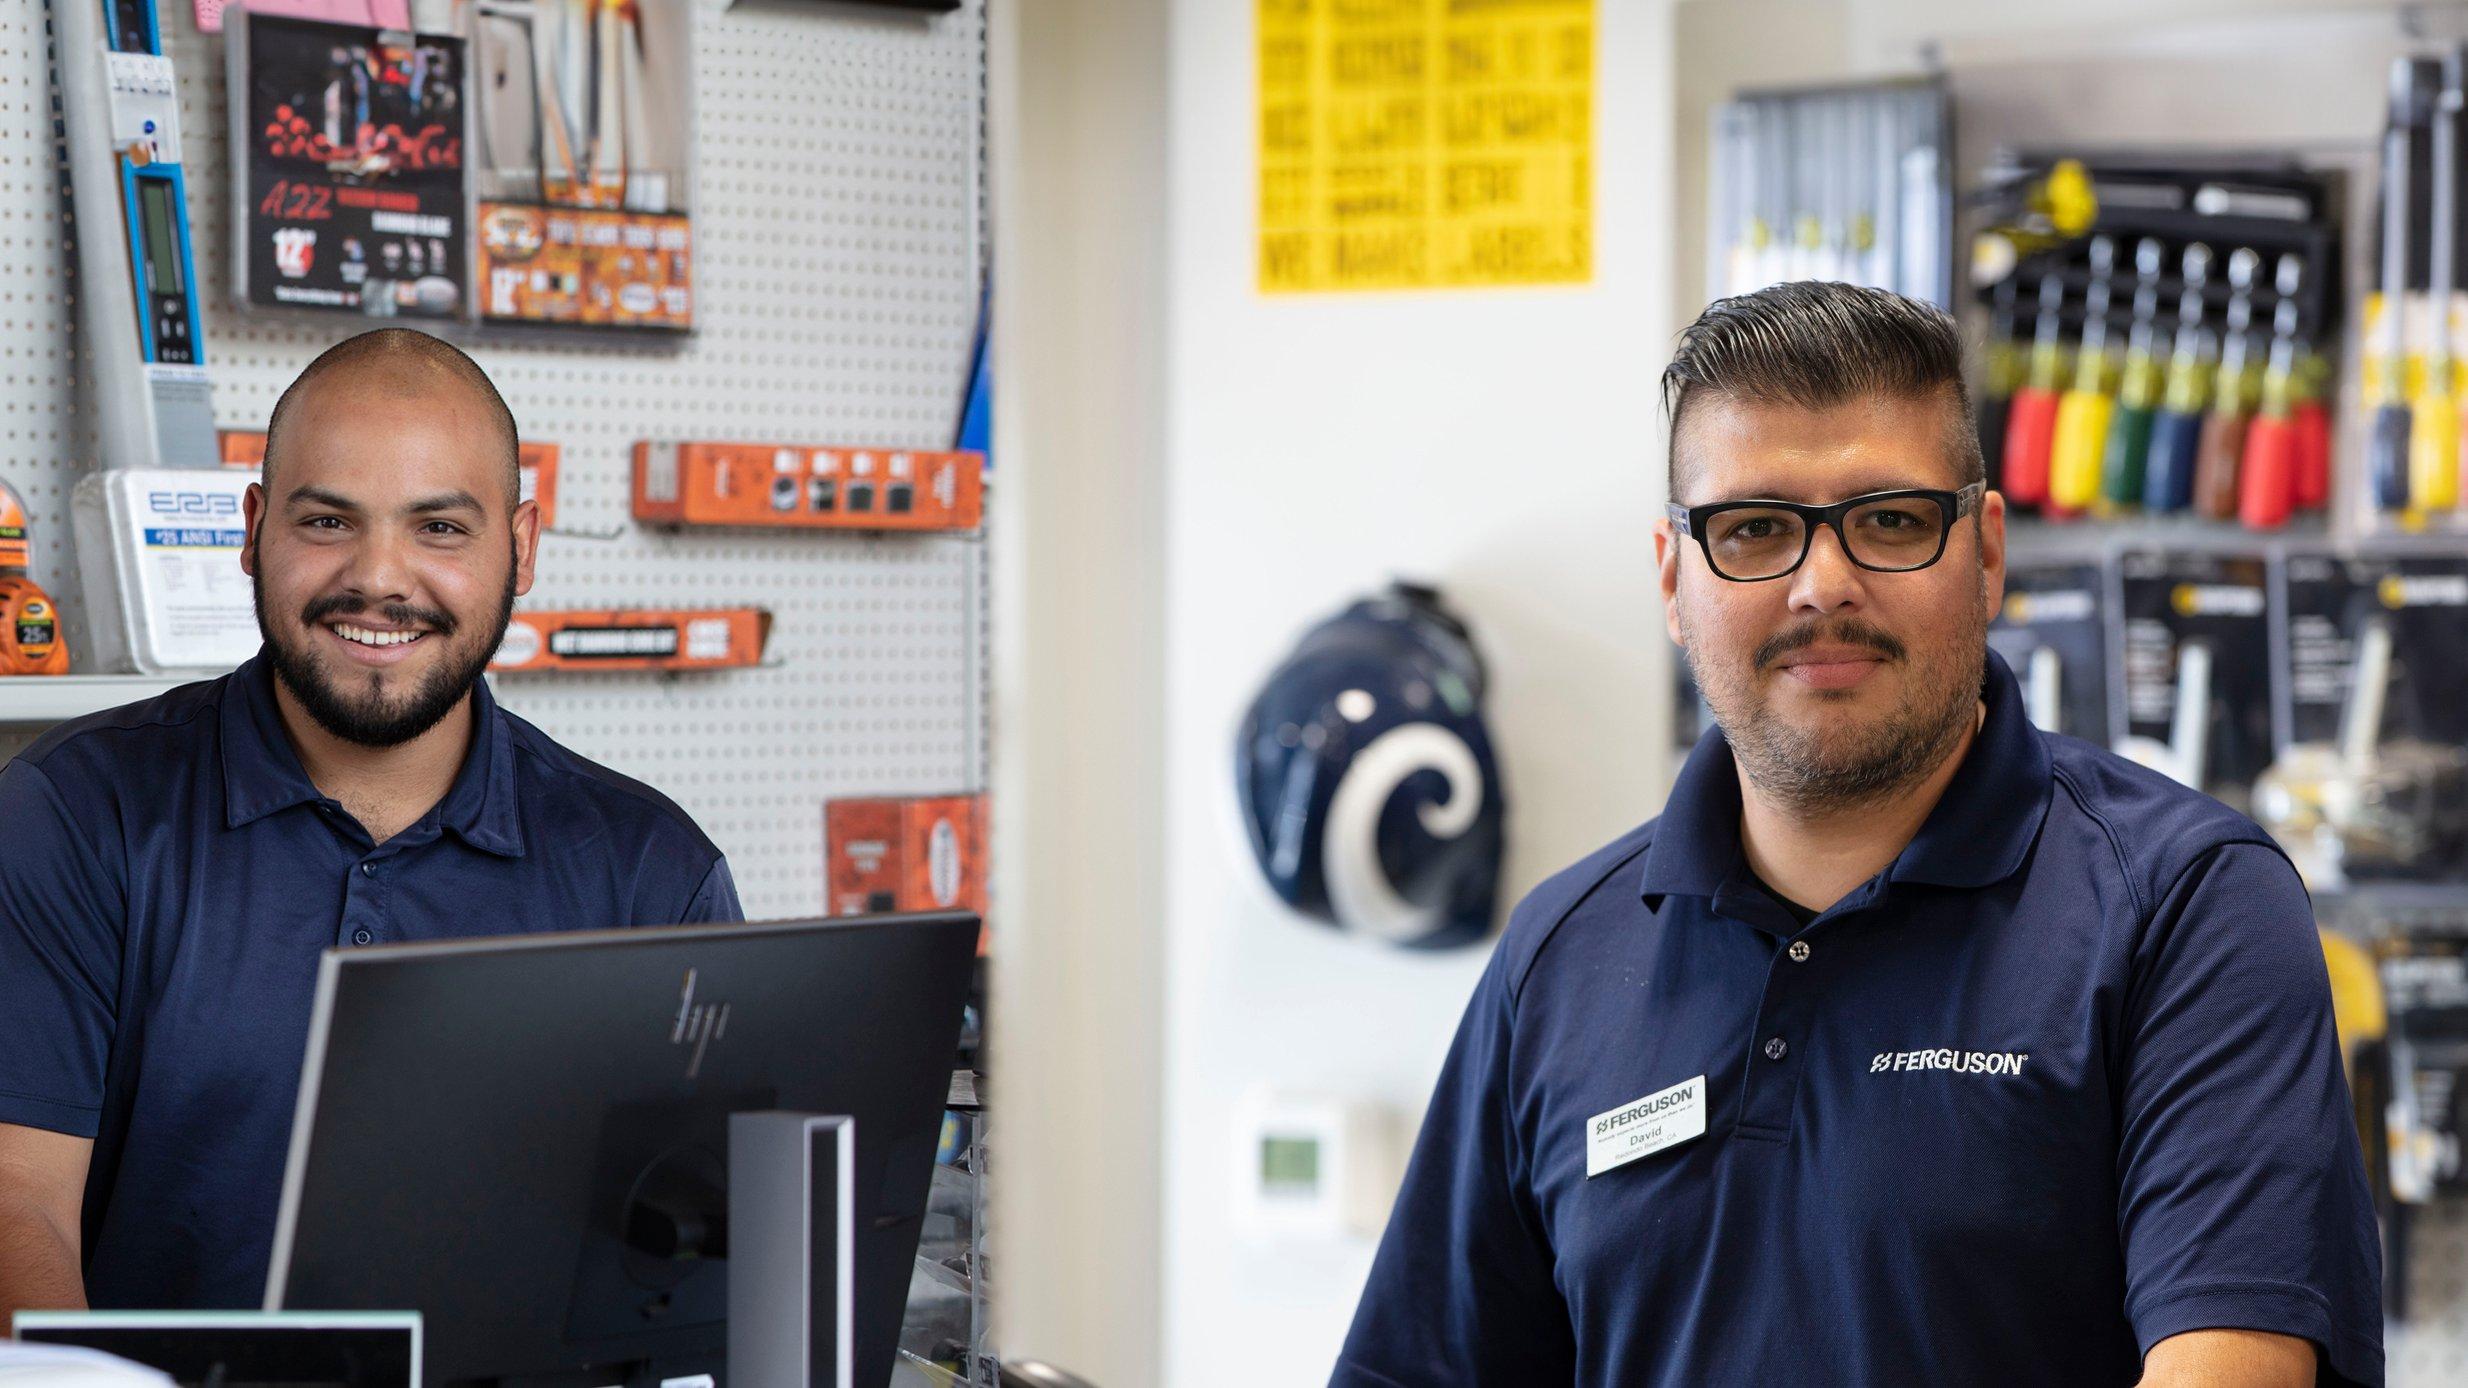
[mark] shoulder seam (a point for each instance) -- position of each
(2211, 853)
(2116, 845)
(1516, 987)
(35, 769)
(99, 727)
(2143, 910)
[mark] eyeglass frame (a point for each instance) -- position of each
(1692, 520)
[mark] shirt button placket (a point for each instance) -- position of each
(1773, 1076)
(360, 904)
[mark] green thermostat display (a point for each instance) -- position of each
(1290, 1165)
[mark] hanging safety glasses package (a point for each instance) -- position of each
(2053, 631)
(2196, 649)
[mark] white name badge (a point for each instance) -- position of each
(1645, 1126)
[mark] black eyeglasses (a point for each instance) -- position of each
(1884, 532)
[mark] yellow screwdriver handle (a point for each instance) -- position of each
(2076, 452)
(2433, 451)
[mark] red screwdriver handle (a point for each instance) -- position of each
(2030, 431)
(2267, 483)
(2313, 471)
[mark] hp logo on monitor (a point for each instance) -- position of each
(697, 1025)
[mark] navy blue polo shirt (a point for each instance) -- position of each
(168, 880)
(2057, 1084)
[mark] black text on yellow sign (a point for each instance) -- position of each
(1407, 144)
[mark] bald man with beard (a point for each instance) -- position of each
(175, 868)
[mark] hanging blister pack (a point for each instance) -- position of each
(2371, 778)
(2197, 668)
(2053, 631)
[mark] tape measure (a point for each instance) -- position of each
(30, 642)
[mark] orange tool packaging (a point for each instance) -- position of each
(807, 487)
(30, 640)
(913, 854)
(706, 639)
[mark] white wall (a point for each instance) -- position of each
(1502, 443)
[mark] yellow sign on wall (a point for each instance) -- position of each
(1409, 144)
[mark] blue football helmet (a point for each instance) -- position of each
(1369, 789)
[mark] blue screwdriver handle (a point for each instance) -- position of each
(2387, 456)
(2168, 474)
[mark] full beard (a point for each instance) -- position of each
(1826, 771)
(364, 714)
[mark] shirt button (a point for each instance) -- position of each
(1799, 951)
(1774, 1049)
(362, 937)
(368, 869)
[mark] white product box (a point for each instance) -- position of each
(158, 553)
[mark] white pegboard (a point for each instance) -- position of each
(838, 222)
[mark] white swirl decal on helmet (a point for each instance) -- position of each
(1358, 887)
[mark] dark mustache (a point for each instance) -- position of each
(399, 614)
(1850, 631)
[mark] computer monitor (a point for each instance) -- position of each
(524, 1138)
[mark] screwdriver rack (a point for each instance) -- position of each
(2209, 294)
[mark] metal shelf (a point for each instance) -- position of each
(35, 701)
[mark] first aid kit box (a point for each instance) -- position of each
(158, 555)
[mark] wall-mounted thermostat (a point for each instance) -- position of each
(1318, 1168)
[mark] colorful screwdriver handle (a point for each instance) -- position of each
(2030, 431)
(2031, 421)
(2386, 455)
(2312, 426)
(2218, 451)
(2128, 452)
(2128, 446)
(2077, 447)
(2267, 484)
(2080, 433)
(2168, 476)
(2267, 473)
(2433, 446)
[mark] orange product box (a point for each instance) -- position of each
(537, 463)
(16, 551)
(585, 267)
(913, 854)
(803, 486)
(704, 639)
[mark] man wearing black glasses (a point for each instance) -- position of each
(1910, 1045)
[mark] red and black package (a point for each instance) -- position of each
(353, 186)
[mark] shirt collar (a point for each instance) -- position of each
(1979, 833)
(262, 772)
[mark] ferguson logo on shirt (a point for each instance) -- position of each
(1960, 1062)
